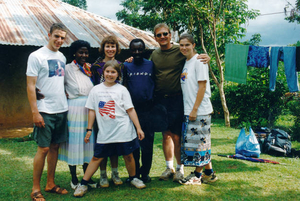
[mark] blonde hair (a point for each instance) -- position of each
(160, 25)
(115, 65)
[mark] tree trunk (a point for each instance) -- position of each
(224, 105)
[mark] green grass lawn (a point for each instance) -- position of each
(238, 179)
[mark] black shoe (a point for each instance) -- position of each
(146, 179)
(127, 180)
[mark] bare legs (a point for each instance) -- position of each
(171, 146)
(113, 162)
(38, 166)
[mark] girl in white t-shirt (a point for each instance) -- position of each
(110, 104)
(196, 138)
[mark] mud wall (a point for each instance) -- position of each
(14, 106)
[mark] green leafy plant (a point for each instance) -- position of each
(253, 103)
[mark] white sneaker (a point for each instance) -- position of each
(73, 186)
(178, 175)
(167, 174)
(138, 183)
(80, 190)
(191, 180)
(209, 178)
(116, 179)
(103, 181)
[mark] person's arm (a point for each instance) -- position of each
(31, 93)
(134, 118)
(204, 58)
(199, 98)
(91, 120)
(129, 60)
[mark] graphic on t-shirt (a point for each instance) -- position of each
(139, 73)
(183, 74)
(56, 68)
(107, 108)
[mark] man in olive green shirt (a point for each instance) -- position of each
(168, 64)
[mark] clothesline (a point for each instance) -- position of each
(238, 57)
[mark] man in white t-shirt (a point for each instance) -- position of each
(45, 71)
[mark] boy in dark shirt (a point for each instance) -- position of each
(138, 78)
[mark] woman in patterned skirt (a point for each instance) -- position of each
(196, 138)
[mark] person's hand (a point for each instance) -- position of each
(140, 134)
(193, 115)
(129, 60)
(38, 120)
(204, 58)
(87, 136)
(39, 95)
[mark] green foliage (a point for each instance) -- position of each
(78, 3)
(294, 14)
(255, 40)
(253, 103)
(294, 107)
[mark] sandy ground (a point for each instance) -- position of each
(15, 132)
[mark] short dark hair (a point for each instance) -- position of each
(59, 26)
(110, 40)
(76, 45)
(137, 40)
(115, 65)
(187, 36)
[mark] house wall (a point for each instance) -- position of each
(14, 106)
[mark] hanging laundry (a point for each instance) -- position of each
(298, 58)
(236, 63)
(258, 56)
(288, 56)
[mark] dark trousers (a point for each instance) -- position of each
(146, 146)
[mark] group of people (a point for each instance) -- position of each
(119, 98)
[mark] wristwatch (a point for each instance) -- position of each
(87, 130)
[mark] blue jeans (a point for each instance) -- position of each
(288, 55)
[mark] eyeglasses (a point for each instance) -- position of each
(159, 35)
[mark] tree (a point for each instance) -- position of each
(212, 22)
(255, 40)
(78, 3)
(294, 14)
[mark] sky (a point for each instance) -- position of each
(274, 30)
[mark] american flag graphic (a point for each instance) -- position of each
(107, 108)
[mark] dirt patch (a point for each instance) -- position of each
(15, 132)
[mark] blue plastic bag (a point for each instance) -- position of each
(247, 145)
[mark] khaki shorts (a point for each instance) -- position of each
(55, 131)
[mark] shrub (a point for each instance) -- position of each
(253, 103)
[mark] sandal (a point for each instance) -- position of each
(37, 196)
(57, 189)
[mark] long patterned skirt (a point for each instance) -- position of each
(75, 151)
(196, 141)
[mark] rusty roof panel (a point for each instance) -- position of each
(27, 22)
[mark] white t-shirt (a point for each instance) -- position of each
(76, 82)
(194, 71)
(49, 68)
(110, 105)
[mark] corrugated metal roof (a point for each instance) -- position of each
(27, 22)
